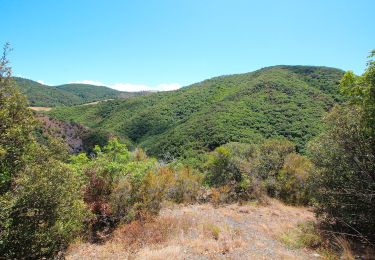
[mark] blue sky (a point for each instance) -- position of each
(133, 45)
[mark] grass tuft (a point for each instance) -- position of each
(304, 235)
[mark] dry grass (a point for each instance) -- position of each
(40, 108)
(203, 231)
(345, 247)
(168, 252)
(303, 235)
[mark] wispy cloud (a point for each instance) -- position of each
(42, 82)
(131, 87)
(168, 86)
(90, 82)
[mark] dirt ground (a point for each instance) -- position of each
(234, 231)
(40, 108)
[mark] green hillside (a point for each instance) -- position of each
(276, 101)
(68, 94)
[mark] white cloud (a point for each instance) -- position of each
(87, 81)
(168, 86)
(42, 82)
(131, 87)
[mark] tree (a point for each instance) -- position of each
(16, 126)
(41, 208)
(44, 213)
(361, 91)
(343, 182)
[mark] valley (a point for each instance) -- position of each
(280, 101)
(236, 166)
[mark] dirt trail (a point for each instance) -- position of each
(205, 232)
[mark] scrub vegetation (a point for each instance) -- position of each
(205, 171)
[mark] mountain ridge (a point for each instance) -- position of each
(41, 95)
(278, 101)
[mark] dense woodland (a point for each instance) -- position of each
(281, 101)
(303, 135)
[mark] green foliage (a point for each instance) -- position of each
(15, 128)
(270, 158)
(249, 171)
(304, 235)
(343, 182)
(120, 186)
(40, 202)
(221, 170)
(184, 186)
(44, 213)
(224, 172)
(94, 137)
(361, 91)
(114, 183)
(293, 179)
(264, 165)
(66, 95)
(281, 101)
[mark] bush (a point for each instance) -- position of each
(121, 186)
(114, 181)
(224, 171)
(248, 171)
(186, 186)
(268, 161)
(44, 213)
(221, 170)
(293, 179)
(343, 182)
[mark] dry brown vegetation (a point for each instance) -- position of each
(233, 231)
(40, 108)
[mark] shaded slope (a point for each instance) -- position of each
(275, 101)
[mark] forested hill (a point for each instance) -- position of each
(68, 94)
(286, 101)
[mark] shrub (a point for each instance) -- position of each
(343, 181)
(121, 186)
(292, 179)
(221, 171)
(268, 161)
(224, 171)
(44, 213)
(186, 186)
(140, 199)
(114, 182)
(253, 171)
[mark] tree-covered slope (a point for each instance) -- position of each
(68, 94)
(275, 101)
(42, 95)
